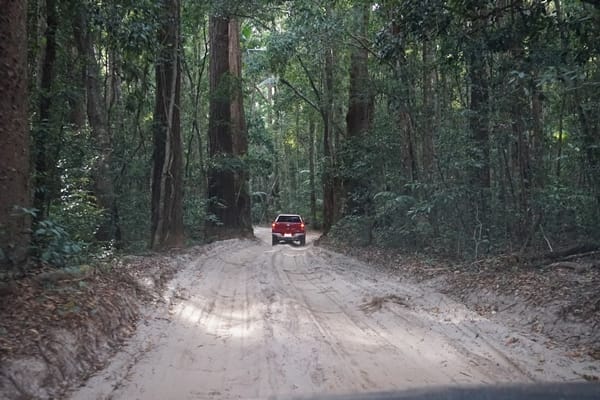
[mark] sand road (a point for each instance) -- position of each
(251, 320)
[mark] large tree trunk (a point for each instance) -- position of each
(360, 103)
(221, 181)
(239, 130)
(44, 166)
(167, 229)
(103, 185)
(329, 195)
(332, 183)
(14, 135)
(229, 199)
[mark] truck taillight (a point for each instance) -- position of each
(273, 225)
(302, 225)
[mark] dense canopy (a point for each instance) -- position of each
(461, 127)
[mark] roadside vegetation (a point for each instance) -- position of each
(460, 128)
(460, 131)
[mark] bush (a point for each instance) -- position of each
(53, 245)
(353, 229)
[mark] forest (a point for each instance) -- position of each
(463, 128)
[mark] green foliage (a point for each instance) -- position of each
(393, 226)
(228, 163)
(420, 59)
(134, 215)
(68, 236)
(260, 148)
(568, 213)
(260, 208)
(77, 211)
(53, 245)
(195, 216)
(354, 230)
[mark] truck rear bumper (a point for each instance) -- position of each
(292, 238)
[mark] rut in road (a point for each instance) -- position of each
(251, 320)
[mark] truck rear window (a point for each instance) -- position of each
(288, 218)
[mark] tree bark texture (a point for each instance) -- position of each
(228, 192)
(167, 229)
(221, 181)
(44, 176)
(103, 184)
(14, 135)
(360, 103)
(239, 130)
(329, 195)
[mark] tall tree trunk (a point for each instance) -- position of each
(103, 184)
(14, 135)
(228, 191)
(221, 181)
(429, 113)
(561, 114)
(537, 136)
(360, 103)
(239, 131)
(564, 45)
(521, 161)
(430, 121)
(311, 169)
(329, 195)
(400, 102)
(43, 178)
(332, 182)
(295, 156)
(167, 229)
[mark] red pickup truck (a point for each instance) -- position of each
(288, 228)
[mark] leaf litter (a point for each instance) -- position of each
(535, 293)
(63, 325)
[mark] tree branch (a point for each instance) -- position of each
(312, 83)
(299, 94)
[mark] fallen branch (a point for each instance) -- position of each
(546, 238)
(579, 267)
(583, 248)
(509, 306)
(581, 255)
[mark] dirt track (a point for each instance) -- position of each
(248, 320)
